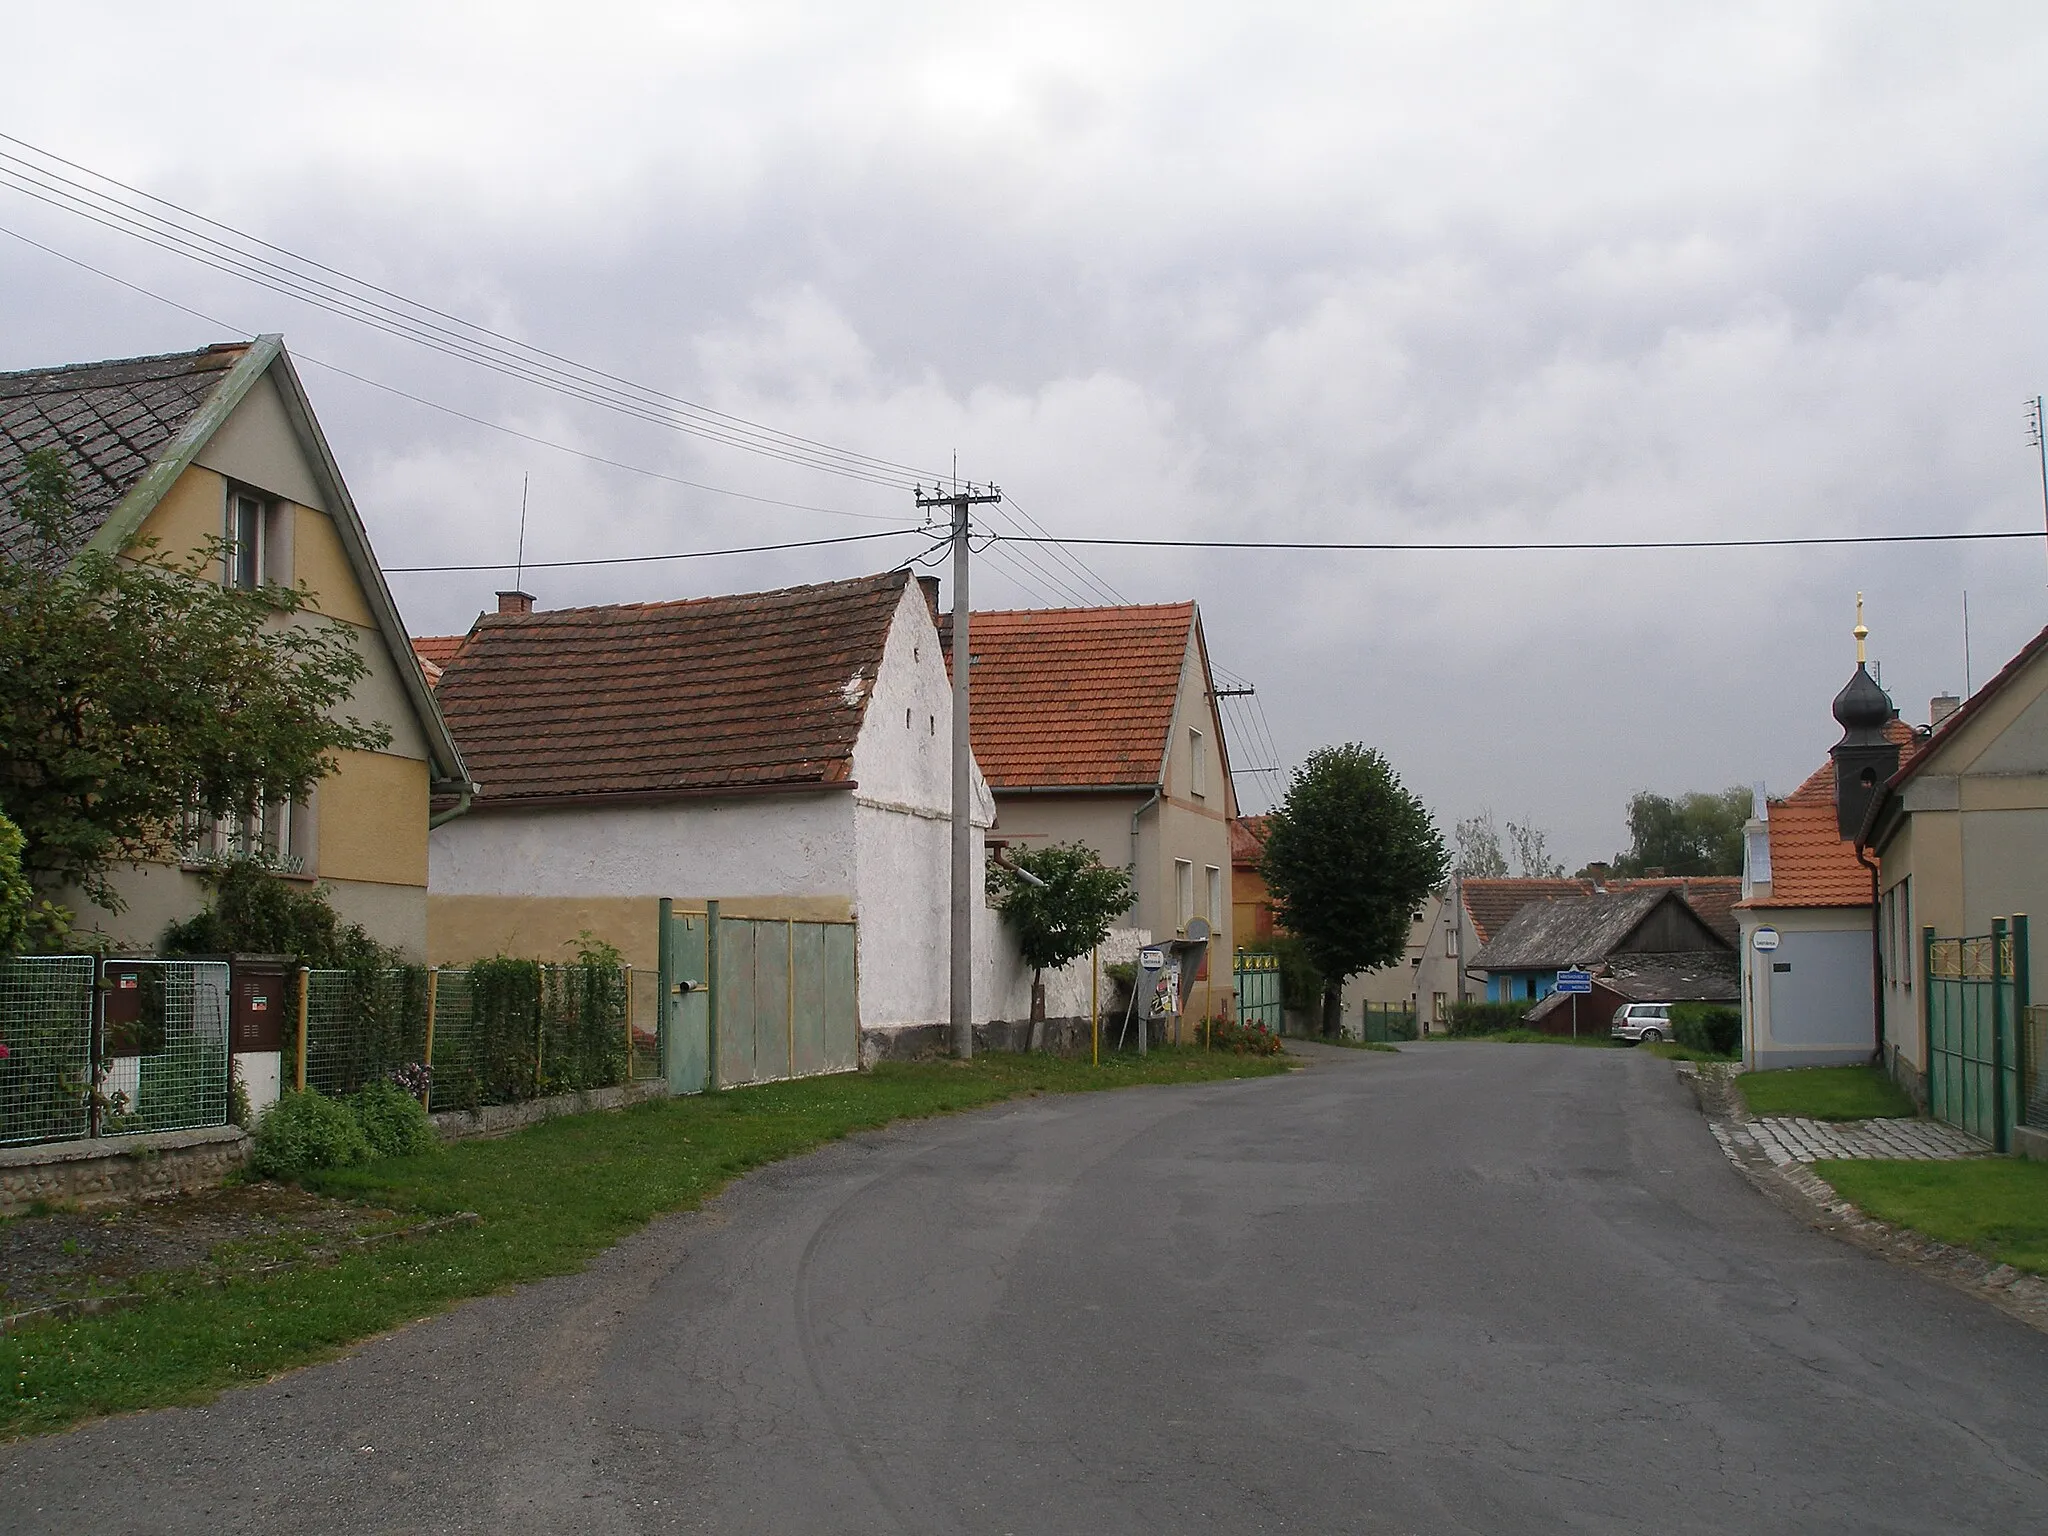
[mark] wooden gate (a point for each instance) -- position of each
(756, 1000)
(1976, 995)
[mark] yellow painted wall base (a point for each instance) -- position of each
(465, 928)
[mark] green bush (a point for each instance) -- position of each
(1226, 1034)
(393, 1121)
(304, 1131)
(1301, 984)
(1486, 1018)
(1715, 1027)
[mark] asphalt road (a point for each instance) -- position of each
(1465, 1288)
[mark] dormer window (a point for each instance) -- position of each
(246, 519)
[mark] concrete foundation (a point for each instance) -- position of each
(497, 1119)
(95, 1172)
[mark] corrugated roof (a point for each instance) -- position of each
(110, 420)
(761, 690)
(1076, 696)
(1575, 930)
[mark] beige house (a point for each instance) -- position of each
(223, 444)
(1100, 726)
(1960, 836)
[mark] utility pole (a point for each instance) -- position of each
(2038, 435)
(958, 501)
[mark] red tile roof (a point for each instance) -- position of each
(1076, 696)
(764, 690)
(1247, 841)
(1812, 864)
(435, 652)
(1491, 903)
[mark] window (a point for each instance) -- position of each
(1214, 880)
(1183, 890)
(1198, 765)
(279, 838)
(1451, 942)
(245, 540)
(1436, 1007)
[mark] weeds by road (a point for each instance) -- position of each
(1825, 1093)
(548, 1199)
(1997, 1208)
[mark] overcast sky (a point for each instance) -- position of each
(1370, 271)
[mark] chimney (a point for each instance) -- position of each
(515, 602)
(931, 594)
(1940, 707)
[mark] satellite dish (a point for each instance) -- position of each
(1198, 930)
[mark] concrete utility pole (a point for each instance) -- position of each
(964, 894)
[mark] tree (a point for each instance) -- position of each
(17, 896)
(1059, 900)
(1349, 856)
(137, 693)
(1533, 858)
(1694, 834)
(1478, 842)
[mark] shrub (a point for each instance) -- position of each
(1301, 984)
(1715, 1027)
(1226, 1034)
(304, 1131)
(393, 1122)
(1486, 1018)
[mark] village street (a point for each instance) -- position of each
(1462, 1288)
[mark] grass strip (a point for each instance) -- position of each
(550, 1198)
(1671, 1050)
(1825, 1093)
(1995, 1206)
(1534, 1037)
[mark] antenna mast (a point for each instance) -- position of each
(519, 569)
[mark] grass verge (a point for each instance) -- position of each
(1534, 1037)
(1825, 1093)
(1995, 1206)
(1671, 1050)
(1350, 1044)
(550, 1198)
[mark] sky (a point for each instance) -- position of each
(1436, 272)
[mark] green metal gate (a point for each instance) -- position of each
(1258, 990)
(756, 1000)
(1976, 995)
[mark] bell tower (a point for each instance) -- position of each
(1865, 757)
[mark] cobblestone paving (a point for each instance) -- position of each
(1791, 1140)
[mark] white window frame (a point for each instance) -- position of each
(1212, 882)
(232, 555)
(1198, 765)
(1183, 890)
(280, 838)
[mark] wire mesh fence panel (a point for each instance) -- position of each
(583, 1040)
(363, 1026)
(506, 1031)
(2034, 1066)
(454, 1064)
(643, 1023)
(164, 1046)
(46, 1008)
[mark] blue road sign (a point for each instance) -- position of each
(1574, 981)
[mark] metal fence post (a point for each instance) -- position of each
(299, 1066)
(2000, 1141)
(711, 1074)
(628, 970)
(789, 940)
(2021, 1001)
(540, 1028)
(427, 1049)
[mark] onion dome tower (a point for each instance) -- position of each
(1866, 756)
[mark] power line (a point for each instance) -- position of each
(362, 301)
(1532, 545)
(685, 554)
(436, 405)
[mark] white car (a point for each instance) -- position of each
(1642, 1021)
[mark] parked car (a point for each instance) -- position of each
(1642, 1021)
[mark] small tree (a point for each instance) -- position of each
(1059, 901)
(1478, 843)
(140, 691)
(1533, 858)
(1350, 855)
(1692, 834)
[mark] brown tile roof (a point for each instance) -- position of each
(1076, 696)
(1247, 841)
(110, 420)
(1812, 864)
(764, 690)
(1492, 903)
(435, 652)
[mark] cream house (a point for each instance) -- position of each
(223, 444)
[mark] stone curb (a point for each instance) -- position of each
(1796, 1188)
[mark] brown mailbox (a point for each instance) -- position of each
(262, 995)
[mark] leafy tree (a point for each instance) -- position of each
(135, 692)
(1059, 900)
(1350, 854)
(17, 896)
(253, 912)
(1477, 839)
(1694, 834)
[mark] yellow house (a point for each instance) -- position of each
(222, 444)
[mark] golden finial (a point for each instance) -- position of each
(1861, 632)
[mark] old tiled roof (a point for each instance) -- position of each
(1076, 696)
(1247, 841)
(1701, 976)
(1569, 930)
(765, 690)
(110, 421)
(435, 652)
(1812, 864)
(1713, 897)
(1491, 903)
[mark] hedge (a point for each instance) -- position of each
(1715, 1027)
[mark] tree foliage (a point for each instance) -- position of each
(1533, 858)
(253, 912)
(135, 691)
(1350, 854)
(1693, 834)
(1070, 913)
(1479, 856)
